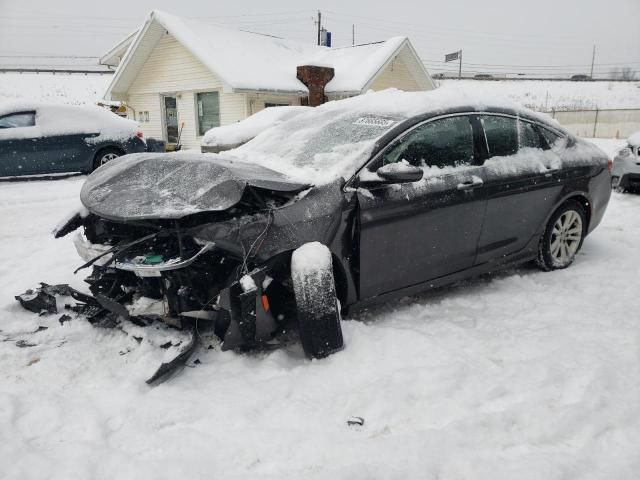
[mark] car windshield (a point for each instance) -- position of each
(319, 146)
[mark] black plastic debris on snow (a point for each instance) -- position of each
(102, 312)
(355, 421)
(42, 300)
(168, 369)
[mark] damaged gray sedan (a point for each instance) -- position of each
(357, 201)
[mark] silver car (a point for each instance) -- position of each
(626, 166)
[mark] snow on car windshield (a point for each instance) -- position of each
(319, 146)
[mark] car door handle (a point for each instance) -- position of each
(550, 172)
(476, 182)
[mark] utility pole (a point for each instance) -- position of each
(593, 60)
(319, 26)
(460, 66)
(353, 34)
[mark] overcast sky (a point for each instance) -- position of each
(495, 35)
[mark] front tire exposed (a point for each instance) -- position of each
(563, 237)
(317, 307)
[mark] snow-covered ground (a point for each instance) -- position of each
(546, 95)
(75, 89)
(523, 375)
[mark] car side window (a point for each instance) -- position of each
(529, 136)
(15, 120)
(447, 142)
(501, 134)
(550, 137)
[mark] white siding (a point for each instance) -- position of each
(171, 69)
(148, 102)
(403, 73)
(397, 75)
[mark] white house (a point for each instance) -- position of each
(176, 72)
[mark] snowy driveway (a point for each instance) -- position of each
(523, 375)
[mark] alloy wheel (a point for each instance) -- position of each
(108, 157)
(566, 237)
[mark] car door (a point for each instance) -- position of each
(19, 139)
(68, 152)
(410, 233)
(521, 185)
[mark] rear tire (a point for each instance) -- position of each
(106, 155)
(563, 237)
(318, 310)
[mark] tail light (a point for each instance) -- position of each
(610, 164)
(265, 303)
(139, 134)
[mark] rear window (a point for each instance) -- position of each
(16, 120)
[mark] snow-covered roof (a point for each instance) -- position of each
(246, 61)
(114, 56)
(56, 119)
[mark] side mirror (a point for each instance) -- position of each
(394, 173)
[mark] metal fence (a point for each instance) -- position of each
(608, 123)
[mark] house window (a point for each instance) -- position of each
(267, 105)
(208, 111)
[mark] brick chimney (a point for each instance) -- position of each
(315, 78)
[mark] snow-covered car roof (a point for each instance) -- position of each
(333, 139)
(634, 139)
(245, 130)
(55, 119)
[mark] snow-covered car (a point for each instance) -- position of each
(38, 138)
(356, 201)
(626, 165)
(227, 137)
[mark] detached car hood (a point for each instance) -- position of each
(172, 186)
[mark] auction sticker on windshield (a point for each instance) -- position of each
(374, 121)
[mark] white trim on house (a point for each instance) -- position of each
(114, 56)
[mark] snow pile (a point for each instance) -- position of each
(545, 95)
(523, 375)
(336, 138)
(306, 259)
(53, 119)
(634, 140)
(53, 88)
(245, 130)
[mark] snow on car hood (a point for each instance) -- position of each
(171, 186)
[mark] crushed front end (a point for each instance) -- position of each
(186, 242)
(157, 270)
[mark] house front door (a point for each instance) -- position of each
(170, 118)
